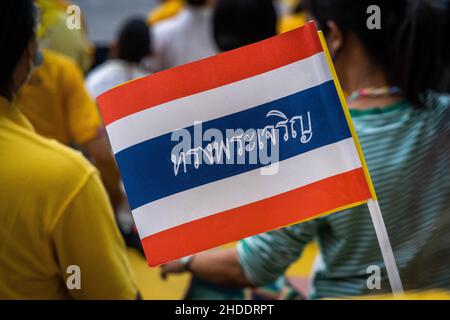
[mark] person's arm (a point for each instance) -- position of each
(256, 261)
(87, 131)
(216, 266)
(85, 235)
(99, 151)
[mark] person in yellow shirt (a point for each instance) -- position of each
(167, 9)
(58, 237)
(55, 35)
(59, 107)
(294, 19)
(57, 103)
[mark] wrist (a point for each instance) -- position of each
(187, 262)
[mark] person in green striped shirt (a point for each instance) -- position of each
(396, 75)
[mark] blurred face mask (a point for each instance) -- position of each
(38, 59)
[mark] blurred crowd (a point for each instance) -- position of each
(62, 202)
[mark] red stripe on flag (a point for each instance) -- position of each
(281, 210)
(209, 73)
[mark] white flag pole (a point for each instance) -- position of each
(374, 207)
(385, 246)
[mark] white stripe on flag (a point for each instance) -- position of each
(218, 102)
(222, 195)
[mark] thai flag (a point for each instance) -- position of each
(283, 87)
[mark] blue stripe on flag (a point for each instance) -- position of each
(148, 173)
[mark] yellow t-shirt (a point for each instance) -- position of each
(55, 35)
(166, 10)
(57, 103)
(54, 213)
(291, 22)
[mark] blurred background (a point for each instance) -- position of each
(104, 17)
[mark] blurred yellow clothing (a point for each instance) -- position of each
(55, 35)
(57, 103)
(290, 3)
(166, 10)
(291, 22)
(54, 213)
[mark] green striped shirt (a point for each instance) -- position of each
(407, 152)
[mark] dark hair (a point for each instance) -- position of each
(299, 8)
(134, 40)
(17, 28)
(412, 45)
(241, 22)
(196, 3)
